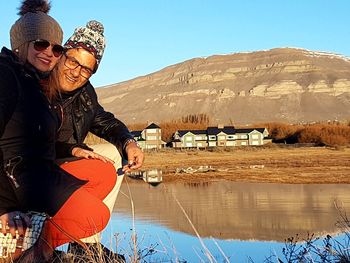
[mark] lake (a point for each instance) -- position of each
(232, 220)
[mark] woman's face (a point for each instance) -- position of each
(43, 59)
(75, 68)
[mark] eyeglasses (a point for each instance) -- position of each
(41, 45)
(72, 63)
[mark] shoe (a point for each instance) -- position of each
(99, 253)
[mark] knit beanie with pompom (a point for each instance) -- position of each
(90, 38)
(34, 24)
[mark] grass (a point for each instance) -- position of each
(273, 164)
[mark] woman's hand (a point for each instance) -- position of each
(79, 152)
(15, 220)
(135, 157)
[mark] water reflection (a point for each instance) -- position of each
(154, 177)
(244, 211)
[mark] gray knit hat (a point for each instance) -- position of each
(35, 23)
(90, 38)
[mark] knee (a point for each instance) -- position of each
(97, 220)
(108, 150)
(109, 175)
(102, 174)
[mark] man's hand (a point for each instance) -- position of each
(15, 221)
(135, 157)
(79, 152)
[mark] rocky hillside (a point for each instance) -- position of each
(283, 84)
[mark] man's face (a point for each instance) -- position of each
(75, 68)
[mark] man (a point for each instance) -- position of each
(82, 113)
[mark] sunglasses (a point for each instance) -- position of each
(41, 45)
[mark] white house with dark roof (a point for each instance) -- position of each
(190, 139)
(150, 137)
(251, 136)
(220, 136)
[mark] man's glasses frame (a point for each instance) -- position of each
(72, 63)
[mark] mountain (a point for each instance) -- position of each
(283, 84)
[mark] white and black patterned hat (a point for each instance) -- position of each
(90, 38)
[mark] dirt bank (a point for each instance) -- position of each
(264, 164)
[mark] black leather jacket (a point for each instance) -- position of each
(29, 177)
(82, 114)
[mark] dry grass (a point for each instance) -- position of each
(264, 164)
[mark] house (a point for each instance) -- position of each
(190, 139)
(246, 137)
(150, 137)
(220, 136)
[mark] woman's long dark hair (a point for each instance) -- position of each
(52, 89)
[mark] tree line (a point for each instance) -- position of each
(329, 133)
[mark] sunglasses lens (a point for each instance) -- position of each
(40, 45)
(57, 50)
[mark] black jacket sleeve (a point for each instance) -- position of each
(105, 125)
(8, 101)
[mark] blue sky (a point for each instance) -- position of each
(146, 36)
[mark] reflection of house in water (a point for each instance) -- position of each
(154, 177)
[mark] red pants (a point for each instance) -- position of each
(84, 214)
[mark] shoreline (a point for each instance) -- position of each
(273, 164)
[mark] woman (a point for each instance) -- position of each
(29, 178)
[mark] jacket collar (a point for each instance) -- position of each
(27, 68)
(67, 97)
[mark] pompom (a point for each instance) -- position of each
(95, 26)
(33, 6)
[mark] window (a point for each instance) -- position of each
(221, 137)
(244, 136)
(152, 138)
(255, 142)
(151, 130)
(230, 143)
(212, 137)
(243, 143)
(188, 138)
(212, 143)
(188, 144)
(231, 137)
(199, 138)
(255, 136)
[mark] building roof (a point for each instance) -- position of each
(152, 126)
(196, 132)
(261, 130)
(216, 130)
